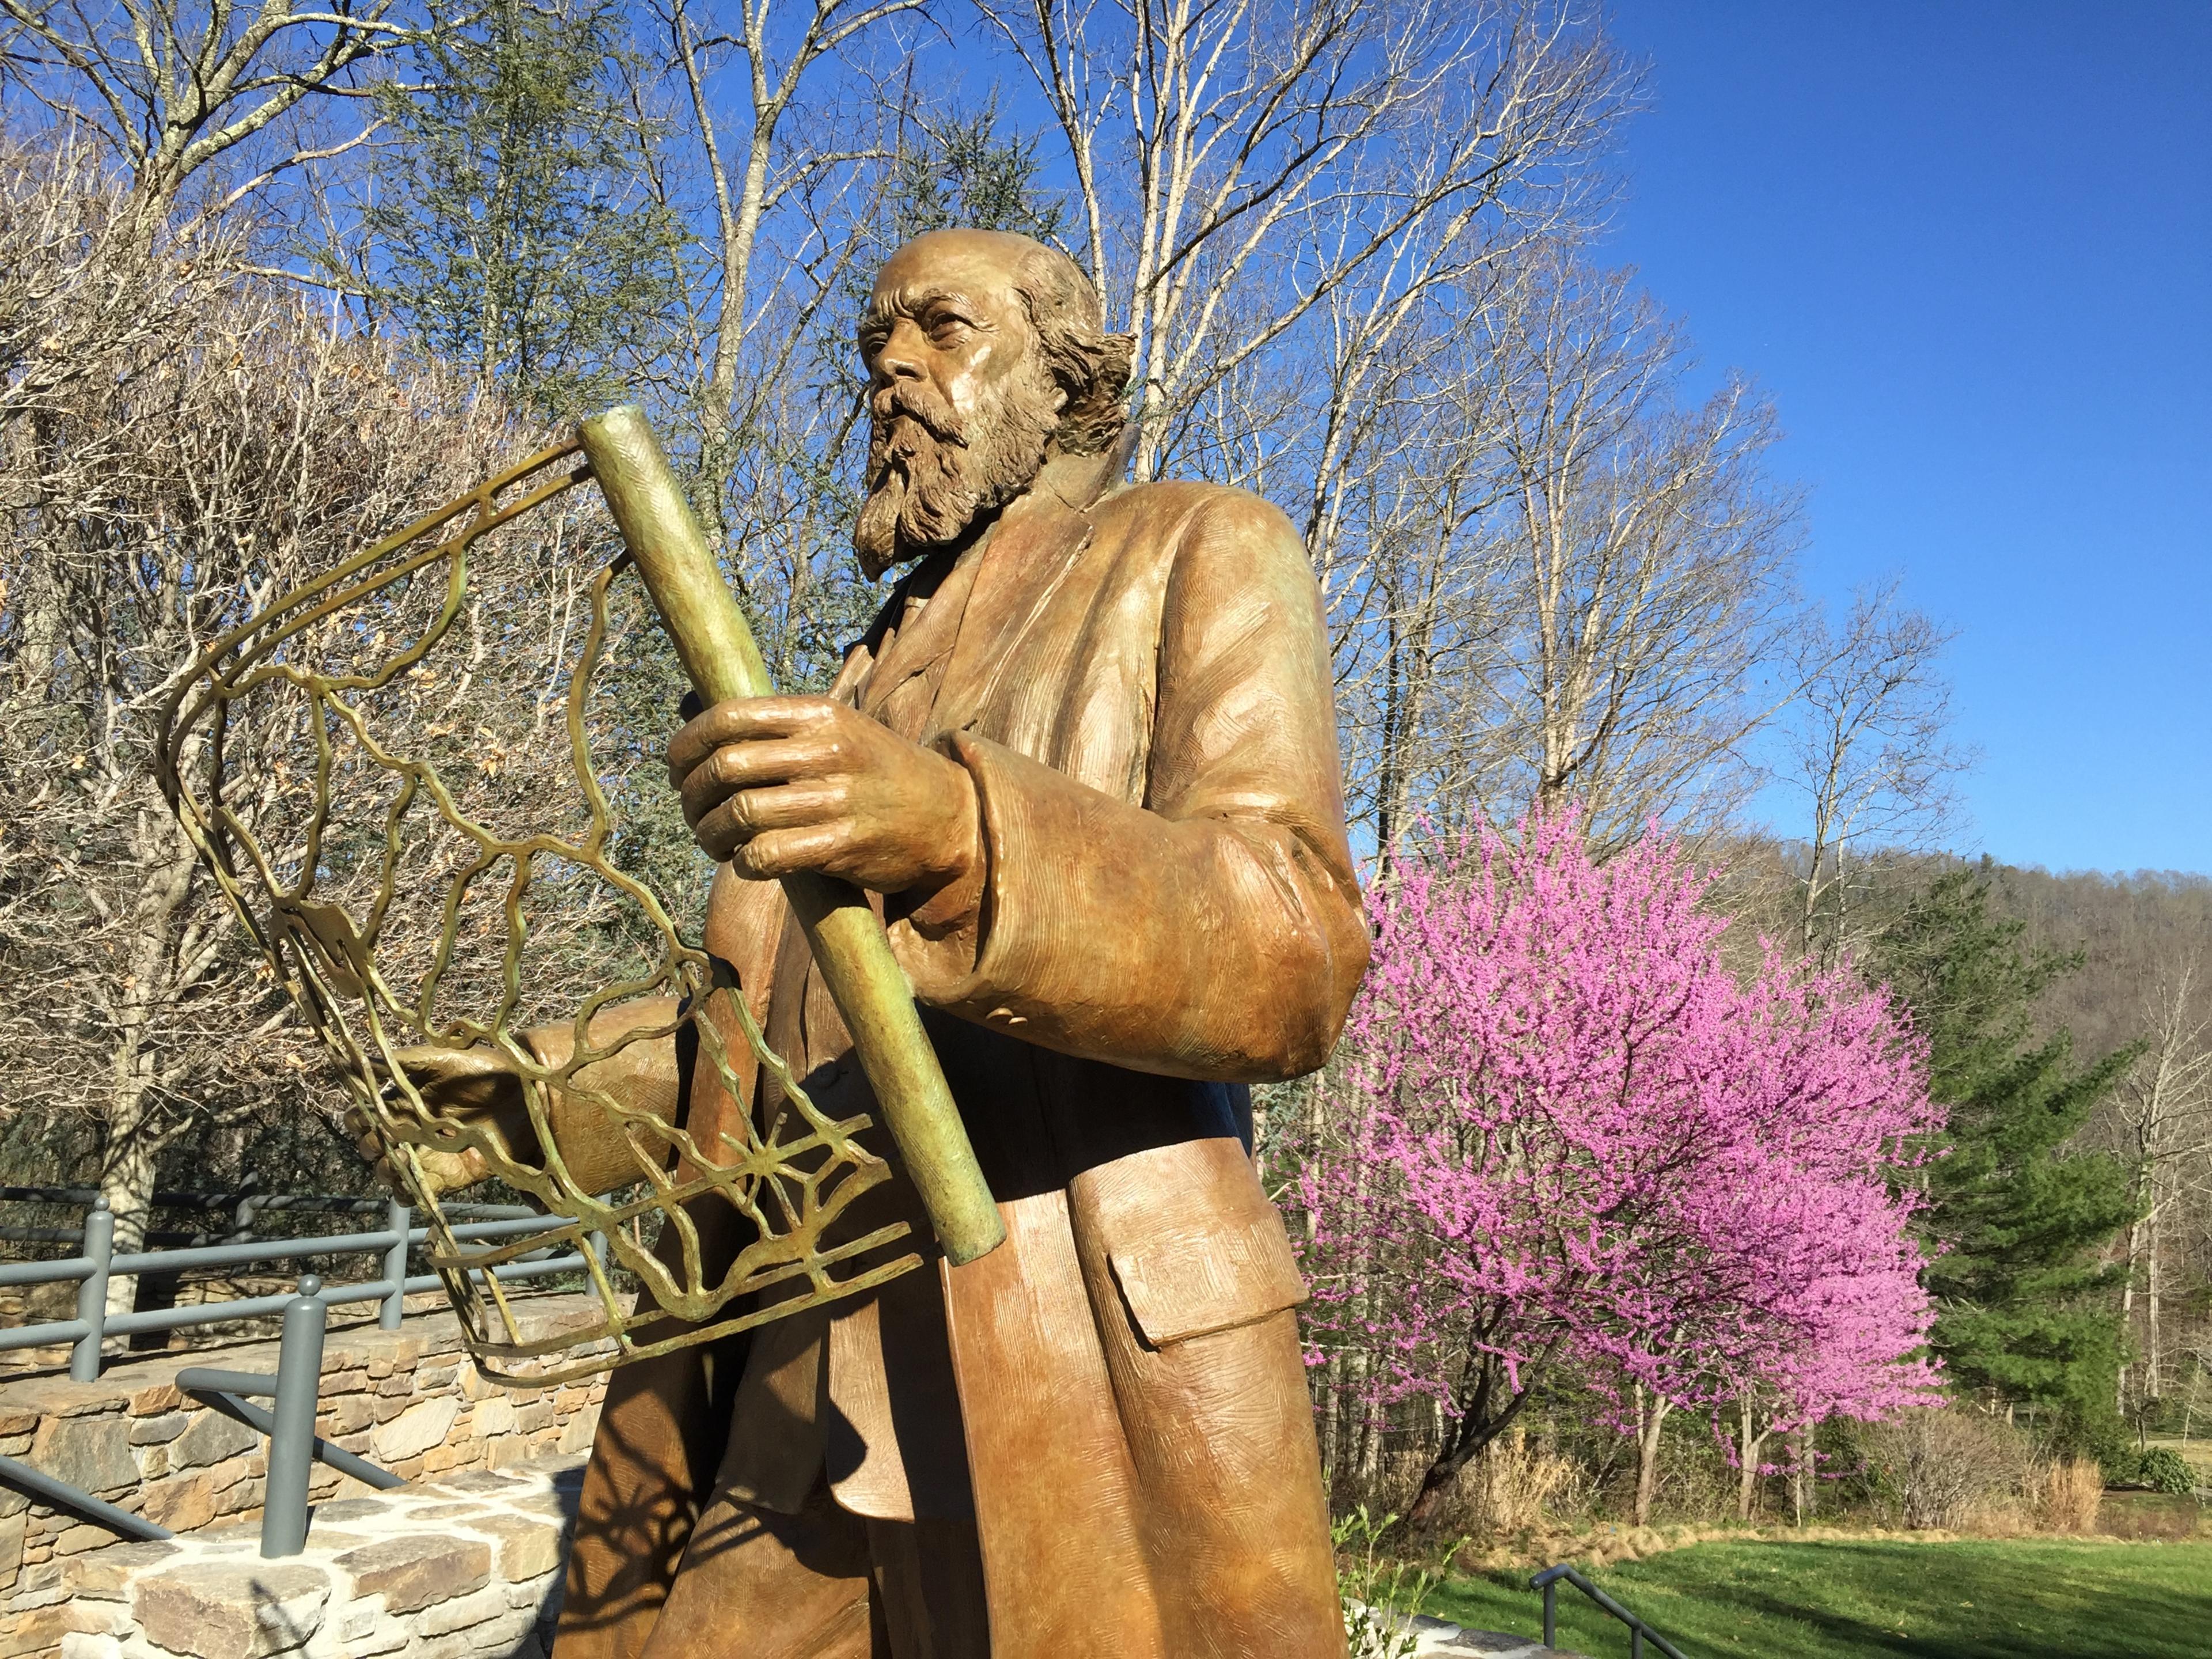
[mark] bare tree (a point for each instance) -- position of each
(176, 90)
(1238, 165)
(2164, 1118)
(1866, 747)
(228, 443)
(1651, 557)
(779, 131)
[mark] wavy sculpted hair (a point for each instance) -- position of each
(1092, 366)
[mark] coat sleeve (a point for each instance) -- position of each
(1215, 931)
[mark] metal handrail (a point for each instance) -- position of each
(328, 1203)
(97, 1262)
(295, 1388)
(42, 1488)
(292, 1444)
(245, 1207)
(1548, 1581)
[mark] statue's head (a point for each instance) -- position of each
(987, 357)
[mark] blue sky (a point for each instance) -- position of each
(1968, 250)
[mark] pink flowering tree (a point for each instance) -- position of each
(1561, 1128)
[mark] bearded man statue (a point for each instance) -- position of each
(1087, 756)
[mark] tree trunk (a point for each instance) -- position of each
(1465, 1440)
(127, 1161)
(126, 1182)
(1749, 1446)
(2154, 1360)
(2127, 1312)
(1439, 1479)
(1651, 1414)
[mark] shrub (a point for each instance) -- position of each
(2158, 1469)
(1381, 1593)
(1939, 1467)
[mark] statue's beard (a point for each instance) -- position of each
(933, 472)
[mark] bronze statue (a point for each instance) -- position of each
(1086, 758)
(1087, 752)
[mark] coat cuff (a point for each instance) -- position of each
(938, 935)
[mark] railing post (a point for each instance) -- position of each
(92, 1291)
(292, 1424)
(1636, 1642)
(241, 1215)
(1552, 1614)
(398, 1218)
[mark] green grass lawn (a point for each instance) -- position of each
(1850, 1600)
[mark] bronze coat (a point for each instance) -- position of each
(1140, 689)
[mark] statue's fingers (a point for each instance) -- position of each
(760, 765)
(746, 720)
(424, 1066)
(462, 1080)
(754, 812)
(782, 852)
(361, 1132)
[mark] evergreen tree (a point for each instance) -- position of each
(965, 172)
(2017, 1215)
(509, 230)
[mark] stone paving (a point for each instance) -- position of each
(468, 1567)
(1444, 1638)
(408, 1400)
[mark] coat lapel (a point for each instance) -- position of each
(1023, 567)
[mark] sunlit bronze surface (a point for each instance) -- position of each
(347, 797)
(1097, 1439)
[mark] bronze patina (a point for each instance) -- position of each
(788, 1180)
(1085, 761)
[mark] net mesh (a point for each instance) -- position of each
(420, 781)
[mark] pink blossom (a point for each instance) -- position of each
(1561, 1129)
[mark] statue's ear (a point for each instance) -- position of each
(1098, 401)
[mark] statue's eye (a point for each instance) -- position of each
(946, 327)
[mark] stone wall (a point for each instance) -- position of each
(408, 1400)
(464, 1568)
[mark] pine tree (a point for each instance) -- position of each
(509, 230)
(2016, 1215)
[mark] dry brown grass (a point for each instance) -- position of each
(2066, 1494)
(1516, 1488)
(1607, 1546)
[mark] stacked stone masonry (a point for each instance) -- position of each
(468, 1567)
(409, 1399)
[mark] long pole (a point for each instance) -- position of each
(716, 647)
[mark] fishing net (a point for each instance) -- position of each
(421, 783)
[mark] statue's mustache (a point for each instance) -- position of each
(919, 403)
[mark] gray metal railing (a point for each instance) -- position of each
(97, 1262)
(296, 1384)
(293, 1446)
(1548, 1581)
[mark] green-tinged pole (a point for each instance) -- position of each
(716, 645)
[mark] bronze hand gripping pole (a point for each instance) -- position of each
(871, 990)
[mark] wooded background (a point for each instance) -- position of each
(274, 278)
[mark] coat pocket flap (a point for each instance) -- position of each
(1196, 1280)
